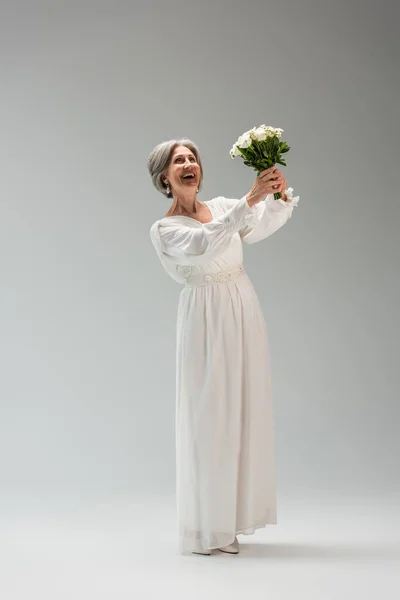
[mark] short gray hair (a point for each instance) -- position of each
(160, 158)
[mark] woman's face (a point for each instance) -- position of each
(183, 172)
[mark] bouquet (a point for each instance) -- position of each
(261, 149)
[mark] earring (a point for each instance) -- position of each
(168, 190)
(197, 190)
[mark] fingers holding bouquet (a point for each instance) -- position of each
(269, 181)
(272, 181)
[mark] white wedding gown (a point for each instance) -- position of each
(225, 467)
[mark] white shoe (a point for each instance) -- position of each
(201, 550)
(231, 548)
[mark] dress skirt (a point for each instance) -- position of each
(225, 467)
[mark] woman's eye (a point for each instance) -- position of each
(179, 159)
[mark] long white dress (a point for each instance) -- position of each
(225, 467)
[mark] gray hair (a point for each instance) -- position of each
(160, 158)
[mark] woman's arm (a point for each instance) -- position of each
(267, 216)
(270, 216)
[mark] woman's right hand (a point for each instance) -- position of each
(269, 181)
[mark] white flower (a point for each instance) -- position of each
(234, 151)
(244, 140)
(249, 132)
(259, 134)
(272, 131)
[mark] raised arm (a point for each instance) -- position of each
(270, 215)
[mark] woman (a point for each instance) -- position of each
(224, 422)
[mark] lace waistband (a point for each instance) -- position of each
(222, 276)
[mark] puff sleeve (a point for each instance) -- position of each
(268, 216)
(186, 245)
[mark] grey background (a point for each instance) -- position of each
(87, 334)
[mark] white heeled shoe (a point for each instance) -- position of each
(231, 548)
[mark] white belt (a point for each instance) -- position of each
(222, 276)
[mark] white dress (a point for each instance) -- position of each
(225, 467)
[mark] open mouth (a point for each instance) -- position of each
(188, 176)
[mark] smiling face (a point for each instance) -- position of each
(183, 172)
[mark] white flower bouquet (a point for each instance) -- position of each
(261, 148)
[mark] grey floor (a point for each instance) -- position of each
(321, 549)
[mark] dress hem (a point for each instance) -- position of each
(242, 531)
